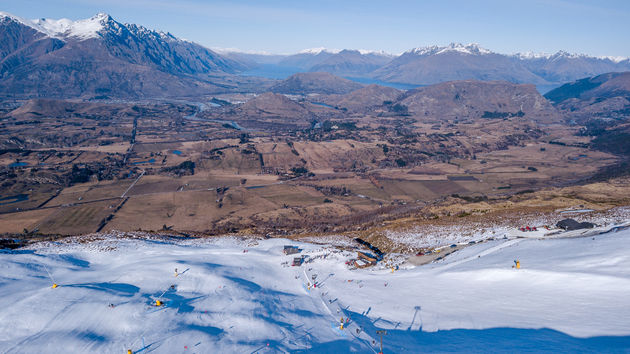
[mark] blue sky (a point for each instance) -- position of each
(280, 26)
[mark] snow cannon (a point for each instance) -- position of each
(517, 264)
(54, 285)
(158, 303)
(129, 351)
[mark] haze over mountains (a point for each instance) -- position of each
(102, 58)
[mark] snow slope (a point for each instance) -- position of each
(82, 29)
(242, 295)
(64, 28)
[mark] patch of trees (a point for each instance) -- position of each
(79, 174)
(471, 199)
(613, 141)
(27, 122)
(579, 145)
(185, 168)
(596, 127)
(613, 171)
(525, 191)
(400, 162)
(7, 151)
(330, 125)
(10, 243)
(250, 149)
(397, 108)
(330, 190)
(299, 171)
(103, 170)
(290, 144)
(497, 114)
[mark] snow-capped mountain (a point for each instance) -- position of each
(563, 66)
(564, 54)
(472, 49)
(318, 50)
(434, 64)
(102, 56)
(65, 28)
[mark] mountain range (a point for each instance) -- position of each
(100, 57)
(434, 64)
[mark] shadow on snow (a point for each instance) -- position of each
(492, 340)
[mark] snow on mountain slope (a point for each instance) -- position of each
(81, 29)
(318, 50)
(64, 28)
(564, 54)
(235, 295)
(471, 48)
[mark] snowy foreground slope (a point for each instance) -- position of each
(234, 295)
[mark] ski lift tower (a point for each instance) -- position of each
(381, 333)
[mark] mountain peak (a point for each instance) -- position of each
(101, 16)
(318, 50)
(16, 18)
(470, 49)
(65, 28)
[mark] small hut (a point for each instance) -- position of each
(365, 260)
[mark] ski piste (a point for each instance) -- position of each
(230, 301)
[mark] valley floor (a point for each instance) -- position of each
(243, 295)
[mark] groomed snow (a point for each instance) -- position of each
(242, 295)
